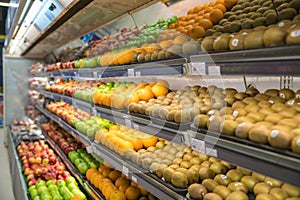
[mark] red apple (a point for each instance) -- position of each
(38, 160)
(38, 172)
(32, 182)
(31, 160)
(28, 177)
(52, 160)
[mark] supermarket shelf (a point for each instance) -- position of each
(19, 184)
(94, 194)
(259, 158)
(122, 117)
(76, 134)
(172, 67)
(269, 163)
(84, 17)
(157, 189)
(265, 61)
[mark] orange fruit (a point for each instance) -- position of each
(212, 4)
(76, 198)
(198, 19)
(197, 9)
(182, 18)
(149, 141)
(164, 83)
(114, 175)
(216, 15)
(132, 193)
(102, 182)
(97, 180)
(191, 16)
(206, 16)
(221, 7)
(220, 2)
(230, 3)
(134, 184)
(106, 172)
(197, 32)
(208, 10)
(144, 192)
(108, 189)
(89, 172)
(145, 94)
(165, 44)
(93, 176)
(159, 90)
(172, 26)
(117, 195)
(205, 23)
(121, 181)
(123, 188)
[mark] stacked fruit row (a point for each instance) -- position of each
(120, 138)
(116, 186)
(89, 126)
(83, 160)
(60, 190)
(69, 88)
(67, 112)
(39, 162)
(64, 140)
(187, 169)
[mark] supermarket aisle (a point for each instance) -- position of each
(5, 179)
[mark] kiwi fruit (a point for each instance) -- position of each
(234, 175)
(218, 168)
(259, 134)
(271, 18)
(293, 36)
(263, 196)
(222, 179)
(272, 92)
(228, 14)
(206, 173)
(278, 2)
(274, 36)
(210, 184)
(294, 4)
(295, 146)
(167, 174)
(278, 194)
(201, 121)
(242, 130)
(254, 40)
(255, 16)
(259, 21)
(292, 191)
(297, 18)
(258, 176)
(221, 43)
(282, 7)
(256, 116)
(237, 195)
(212, 196)
(249, 181)
(236, 8)
(247, 24)
(222, 191)
(207, 43)
(273, 182)
(197, 191)
(237, 42)
(179, 180)
(287, 14)
(238, 186)
(261, 188)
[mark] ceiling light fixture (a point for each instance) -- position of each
(14, 5)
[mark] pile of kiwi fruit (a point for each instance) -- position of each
(270, 118)
(255, 24)
(207, 177)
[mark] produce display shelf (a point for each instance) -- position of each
(122, 117)
(265, 61)
(171, 67)
(270, 163)
(94, 194)
(76, 134)
(259, 158)
(157, 189)
(19, 184)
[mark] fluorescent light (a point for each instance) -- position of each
(14, 5)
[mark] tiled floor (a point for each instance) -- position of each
(5, 178)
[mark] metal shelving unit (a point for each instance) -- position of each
(95, 194)
(260, 158)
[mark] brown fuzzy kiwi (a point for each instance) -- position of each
(293, 36)
(222, 42)
(260, 21)
(287, 14)
(247, 24)
(271, 18)
(274, 36)
(235, 26)
(254, 40)
(207, 43)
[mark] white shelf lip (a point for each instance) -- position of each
(254, 158)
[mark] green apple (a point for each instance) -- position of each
(46, 197)
(52, 188)
(34, 193)
(99, 60)
(77, 192)
(73, 155)
(54, 193)
(43, 190)
(78, 161)
(50, 182)
(57, 197)
(92, 165)
(33, 187)
(79, 63)
(72, 186)
(71, 179)
(37, 198)
(83, 167)
(40, 183)
(61, 183)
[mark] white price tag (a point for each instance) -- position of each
(214, 70)
(198, 68)
(211, 152)
(128, 123)
(135, 126)
(138, 74)
(134, 179)
(198, 145)
(130, 72)
(125, 171)
(89, 149)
